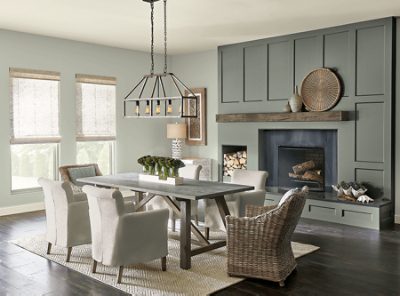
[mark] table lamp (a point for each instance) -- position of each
(177, 132)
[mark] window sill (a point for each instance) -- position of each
(26, 190)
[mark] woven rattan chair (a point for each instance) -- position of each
(129, 196)
(67, 178)
(259, 245)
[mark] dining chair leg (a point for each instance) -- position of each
(173, 220)
(48, 248)
(164, 263)
(207, 232)
(69, 250)
(119, 278)
(94, 266)
(196, 219)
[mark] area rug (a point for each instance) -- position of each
(208, 272)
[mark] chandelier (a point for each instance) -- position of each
(149, 98)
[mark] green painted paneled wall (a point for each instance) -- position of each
(259, 76)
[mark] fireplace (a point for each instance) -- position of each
(294, 158)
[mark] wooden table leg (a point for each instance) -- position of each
(185, 239)
(222, 207)
(139, 198)
(142, 201)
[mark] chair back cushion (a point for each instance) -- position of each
(81, 172)
(250, 178)
(190, 171)
(105, 207)
(65, 173)
(288, 194)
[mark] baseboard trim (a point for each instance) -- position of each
(25, 208)
(397, 219)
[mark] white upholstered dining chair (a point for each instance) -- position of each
(67, 216)
(157, 202)
(237, 202)
(120, 237)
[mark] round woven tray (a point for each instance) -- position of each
(320, 90)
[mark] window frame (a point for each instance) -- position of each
(53, 140)
(80, 137)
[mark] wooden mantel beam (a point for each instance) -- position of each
(284, 117)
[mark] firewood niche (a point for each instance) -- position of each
(234, 161)
(307, 171)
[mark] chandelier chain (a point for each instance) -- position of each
(152, 37)
(165, 36)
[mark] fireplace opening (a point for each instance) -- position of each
(315, 150)
(300, 166)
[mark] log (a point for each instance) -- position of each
(313, 176)
(301, 168)
(308, 176)
(233, 161)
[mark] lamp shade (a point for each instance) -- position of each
(176, 131)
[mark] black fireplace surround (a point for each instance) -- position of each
(280, 150)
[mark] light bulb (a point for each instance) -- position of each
(137, 109)
(169, 108)
(147, 110)
(158, 108)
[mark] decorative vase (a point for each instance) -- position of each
(295, 101)
(287, 108)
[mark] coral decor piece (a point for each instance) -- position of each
(364, 199)
(352, 191)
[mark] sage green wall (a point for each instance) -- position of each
(200, 70)
(362, 55)
(134, 137)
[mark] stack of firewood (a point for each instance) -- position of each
(234, 161)
(306, 172)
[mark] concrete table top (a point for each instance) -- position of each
(190, 189)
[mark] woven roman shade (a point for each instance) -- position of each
(34, 106)
(95, 108)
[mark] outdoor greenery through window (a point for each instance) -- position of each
(30, 162)
(34, 109)
(100, 152)
(95, 111)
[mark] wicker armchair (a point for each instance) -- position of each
(259, 245)
(67, 178)
(129, 196)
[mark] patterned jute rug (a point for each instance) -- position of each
(208, 272)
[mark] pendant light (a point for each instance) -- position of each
(149, 98)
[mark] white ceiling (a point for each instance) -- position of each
(193, 25)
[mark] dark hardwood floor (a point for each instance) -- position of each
(351, 261)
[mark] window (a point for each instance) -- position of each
(34, 108)
(96, 121)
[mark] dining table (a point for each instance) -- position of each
(178, 198)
